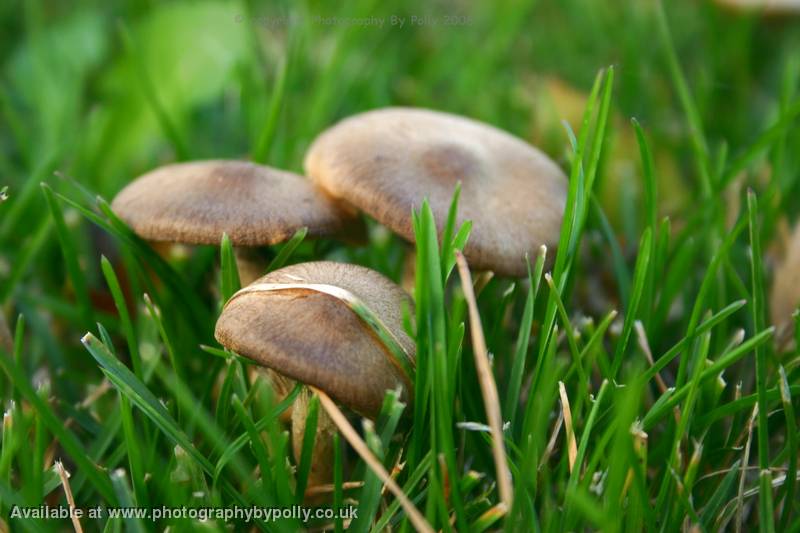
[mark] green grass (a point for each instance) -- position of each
(681, 142)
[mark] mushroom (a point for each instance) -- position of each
(386, 161)
(785, 296)
(196, 202)
(255, 205)
(300, 322)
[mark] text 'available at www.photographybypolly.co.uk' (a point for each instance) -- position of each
(247, 514)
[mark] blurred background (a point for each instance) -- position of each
(104, 91)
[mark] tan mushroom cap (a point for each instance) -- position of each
(316, 338)
(785, 297)
(387, 161)
(196, 202)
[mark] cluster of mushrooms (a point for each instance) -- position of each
(295, 321)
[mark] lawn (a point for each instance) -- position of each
(644, 375)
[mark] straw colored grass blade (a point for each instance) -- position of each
(374, 464)
(572, 447)
(491, 399)
(64, 476)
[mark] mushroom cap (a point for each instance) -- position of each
(785, 296)
(196, 202)
(387, 161)
(315, 338)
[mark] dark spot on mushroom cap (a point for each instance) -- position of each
(195, 203)
(387, 161)
(449, 163)
(317, 339)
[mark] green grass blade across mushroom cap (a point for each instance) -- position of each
(332, 325)
(387, 161)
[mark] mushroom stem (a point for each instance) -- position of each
(250, 264)
(281, 387)
(321, 472)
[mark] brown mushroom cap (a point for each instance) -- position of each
(785, 296)
(195, 203)
(316, 338)
(387, 161)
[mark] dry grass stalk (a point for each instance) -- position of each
(358, 444)
(491, 400)
(64, 475)
(572, 447)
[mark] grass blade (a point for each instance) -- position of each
(129, 385)
(640, 275)
(446, 251)
(568, 331)
(491, 399)
(30, 250)
(229, 274)
(720, 496)
(70, 254)
(680, 347)
(155, 314)
(413, 480)
(792, 446)
(740, 404)
(185, 297)
(765, 505)
(705, 287)
(651, 214)
(131, 439)
(374, 464)
(133, 524)
(54, 424)
(309, 438)
(583, 447)
(124, 316)
(708, 373)
(523, 337)
(576, 210)
(338, 483)
(237, 444)
(288, 249)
